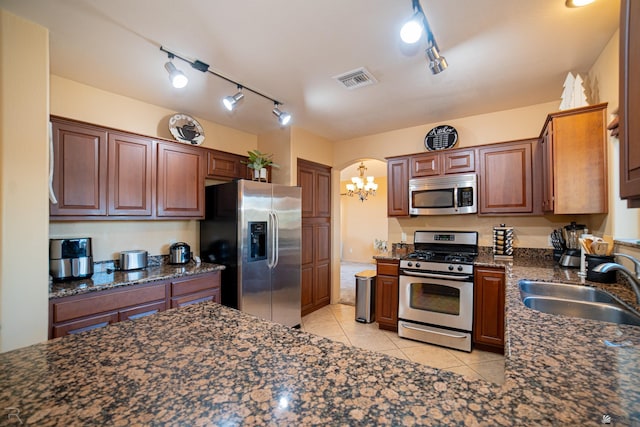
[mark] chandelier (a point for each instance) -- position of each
(361, 188)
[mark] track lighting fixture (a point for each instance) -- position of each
(437, 63)
(230, 102)
(178, 79)
(283, 117)
(411, 32)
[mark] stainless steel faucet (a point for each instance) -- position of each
(634, 279)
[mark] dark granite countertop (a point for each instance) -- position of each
(110, 279)
(211, 365)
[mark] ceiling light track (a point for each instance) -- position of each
(201, 66)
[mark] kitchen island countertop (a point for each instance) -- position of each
(211, 365)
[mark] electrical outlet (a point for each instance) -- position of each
(404, 237)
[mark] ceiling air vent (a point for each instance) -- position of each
(356, 78)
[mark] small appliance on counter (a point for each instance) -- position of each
(70, 259)
(179, 253)
(133, 260)
(571, 234)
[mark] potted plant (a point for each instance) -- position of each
(258, 161)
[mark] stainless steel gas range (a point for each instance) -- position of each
(436, 289)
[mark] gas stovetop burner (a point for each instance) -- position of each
(459, 257)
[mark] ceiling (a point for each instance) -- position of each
(502, 54)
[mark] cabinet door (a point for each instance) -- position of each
(398, 186)
(630, 102)
(225, 165)
(506, 179)
(322, 264)
(459, 161)
(425, 165)
(387, 302)
(180, 181)
(307, 268)
(131, 175)
(489, 295)
(315, 181)
(140, 311)
(195, 298)
(547, 169)
(580, 161)
(84, 324)
(80, 170)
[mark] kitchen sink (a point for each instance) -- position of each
(576, 301)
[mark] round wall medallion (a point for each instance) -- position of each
(441, 138)
(185, 128)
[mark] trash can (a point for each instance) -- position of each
(365, 296)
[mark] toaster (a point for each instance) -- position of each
(133, 260)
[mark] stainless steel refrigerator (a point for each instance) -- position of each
(254, 230)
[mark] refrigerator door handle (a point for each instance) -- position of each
(271, 233)
(276, 239)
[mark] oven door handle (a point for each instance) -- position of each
(437, 276)
(404, 325)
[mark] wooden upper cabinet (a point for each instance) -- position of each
(398, 186)
(630, 102)
(131, 175)
(180, 181)
(427, 164)
(506, 178)
(226, 165)
(443, 162)
(80, 169)
(575, 161)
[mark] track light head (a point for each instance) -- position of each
(176, 77)
(230, 102)
(283, 117)
(437, 63)
(411, 31)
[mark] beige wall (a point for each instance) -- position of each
(362, 223)
(24, 165)
(278, 143)
(81, 102)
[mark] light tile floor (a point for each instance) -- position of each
(337, 322)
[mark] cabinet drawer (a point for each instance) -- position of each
(198, 297)
(387, 269)
(85, 324)
(101, 302)
(140, 311)
(195, 284)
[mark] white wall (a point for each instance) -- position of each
(24, 165)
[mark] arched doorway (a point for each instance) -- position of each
(362, 221)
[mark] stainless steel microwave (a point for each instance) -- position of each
(444, 195)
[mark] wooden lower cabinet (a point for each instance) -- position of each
(192, 290)
(488, 309)
(387, 294)
(80, 313)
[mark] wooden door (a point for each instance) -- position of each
(630, 102)
(506, 178)
(180, 181)
(80, 169)
(398, 186)
(315, 181)
(131, 175)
